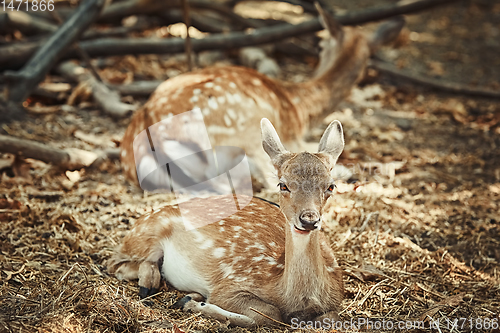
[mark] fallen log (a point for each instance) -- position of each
(69, 159)
(27, 24)
(438, 84)
(24, 81)
(107, 99)
(136, 88)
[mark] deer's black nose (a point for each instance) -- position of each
(309, 219)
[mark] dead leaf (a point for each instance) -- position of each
(72, 177)
(10, 204)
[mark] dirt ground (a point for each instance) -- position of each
(416, 229)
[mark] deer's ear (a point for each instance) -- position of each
(386, 32)
(332, 141)
(271, 141)
(330, 23)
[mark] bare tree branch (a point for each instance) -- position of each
(107, 99)
(24, 81)
(438, 84)
(70, 159)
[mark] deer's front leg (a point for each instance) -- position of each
(238, 314)
(149, 278)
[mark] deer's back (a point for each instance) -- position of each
(231, 99)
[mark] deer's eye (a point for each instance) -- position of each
(331, 188)
(283, 187)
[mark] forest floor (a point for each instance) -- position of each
(417, 234)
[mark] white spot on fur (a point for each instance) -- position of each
(232, 85)
(157, 211)
(221, 222)
(231, 113)
(124, 153)
(256, 82)
(230, 98)
(219, 252)
(237, 98)
(209, 85)
(207, 244)
(227, 120)
(271, 261)
(193, 99)
(205, 111)
(259, 258)
(221, 99)
(168, 116)
(212, 103)
(240, 279)
(218, 88)
(198, 237)
(237, 228)
(221, 130)
(196, 91)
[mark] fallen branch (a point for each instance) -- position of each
(451, 87)
(15, 56)
(69, 159)
(136, 88)
(107, 99)
(27, 24)
(25, 81)
(386, 11)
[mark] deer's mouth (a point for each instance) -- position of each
(301, 231)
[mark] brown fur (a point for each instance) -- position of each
(261, 256)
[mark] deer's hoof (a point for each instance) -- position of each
(181, 303)
(145, 292)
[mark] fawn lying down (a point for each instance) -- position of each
(233, 100)
(274, 260)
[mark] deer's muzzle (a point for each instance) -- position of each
(309, 220)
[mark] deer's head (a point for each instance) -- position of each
(305, 180)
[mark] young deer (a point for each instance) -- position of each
(233, 99)
(274, 260)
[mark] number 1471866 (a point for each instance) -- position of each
(34, 5)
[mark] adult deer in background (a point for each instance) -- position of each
(274, 260)
(233, 100)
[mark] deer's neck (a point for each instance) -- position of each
(316, 98)
(304, 275)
